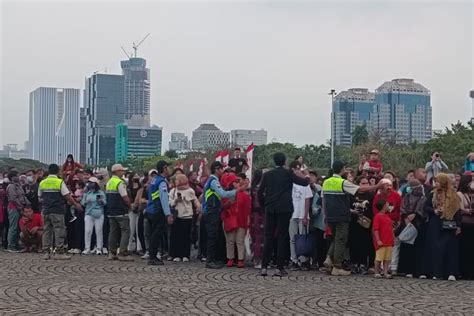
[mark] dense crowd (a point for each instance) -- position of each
(362, 220)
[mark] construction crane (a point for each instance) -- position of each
(135, 46)
(125, 52)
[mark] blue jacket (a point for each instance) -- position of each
(158, 198)
(93, 208)
(213, 193)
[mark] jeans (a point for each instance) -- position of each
(134, 241)
(13, 230)
(340, 232)
(54, 225)
(395, 255)
(119, 234)
(236, 237)
(276, 227)
(157, 225)
(90, 223)
(296, 227)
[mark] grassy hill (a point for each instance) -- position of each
(22, 164)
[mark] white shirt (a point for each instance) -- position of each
(300, 194)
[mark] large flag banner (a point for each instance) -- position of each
(201, 169)
(225, 158)
(219, 156)
(179, 165)
(249, 153)
(191, 166)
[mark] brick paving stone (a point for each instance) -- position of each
(91, 284)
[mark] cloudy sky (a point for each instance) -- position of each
(237, 64)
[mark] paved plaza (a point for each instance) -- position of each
(90, 284)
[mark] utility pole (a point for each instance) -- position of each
(332, 93)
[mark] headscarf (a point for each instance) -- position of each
(445, 198)
(182, 182)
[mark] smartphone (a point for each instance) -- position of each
(98, 197)
(179, 195)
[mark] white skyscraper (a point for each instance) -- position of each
(245, 137)
(54, 124)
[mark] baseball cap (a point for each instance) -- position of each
(161, 165)
(375, 151)
(152, 171)
(118, 167)
(94, 179)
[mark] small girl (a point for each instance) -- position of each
(383, 239)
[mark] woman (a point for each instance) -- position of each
(360, 238)
(442, 243)
(93, 201)
(390, 175)
(133, 187)
(389, 194)
(257, 219)
(300, 159)
(70, 166)
(412, 211)
(184, 201)
(16, 202)
(466, 239)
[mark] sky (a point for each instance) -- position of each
(240, 64)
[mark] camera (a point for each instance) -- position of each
(437, 155)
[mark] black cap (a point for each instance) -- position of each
(161, 165)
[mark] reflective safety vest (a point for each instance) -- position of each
(115, 204)
(336, 202)
(53, 201)
(154, 195)
(210, 196)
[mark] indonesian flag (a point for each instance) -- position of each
(191, 166)
(201, 169)
(179, 165)
(249, 153)
(225, 157)
(219, 156)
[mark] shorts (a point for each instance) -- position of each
(383, 254)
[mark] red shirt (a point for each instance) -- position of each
(36, 221)
(394, 200)
(383, 224)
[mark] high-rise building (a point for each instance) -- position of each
(135, 140)
(208, 136)
(351, 108)
(179, 142)
(105, 109)
(471, 94)
(54, 124)
(403, 111)
(245, 137)
(83, 136)
(137, 87)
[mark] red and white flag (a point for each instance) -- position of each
(225, 157)
(249, 154)
(219, 156)
(201, 169)
(179, 165)
(191, 166)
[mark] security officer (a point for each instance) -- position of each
(52, 193)
(118, 205)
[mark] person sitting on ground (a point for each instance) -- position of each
(31, 229)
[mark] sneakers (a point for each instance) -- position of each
(111, 257)
(177, 260)
(295, 266)
(46, 256)
(61, 256)
(305, 266)
(241, 264)
(410, 276)
(435, 278)
(340, 272)
(72, 219)
(214, 265)
(155, 262)
(230, 263)
(422, 277)
(98, 252)
(378, 276)
(452, 278)
(146, 255)
(388, 276)
(13, 250)
(280, 273)
(258, 266)
(203, 259)
(263, 272)
(74, 251)
(126, 258)
(86, 252)
(185, 259)
(105, 251)
(327, 263)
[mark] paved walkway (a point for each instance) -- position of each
(90, 284)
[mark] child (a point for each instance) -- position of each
(383, 239)
(80, 185)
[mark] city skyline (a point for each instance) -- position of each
(279, 60)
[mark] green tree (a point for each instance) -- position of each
(172, 154)
(360, 135)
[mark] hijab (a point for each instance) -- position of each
(445, 198)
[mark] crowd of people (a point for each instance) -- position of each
(353, 221)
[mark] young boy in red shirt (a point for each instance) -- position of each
(383, 239)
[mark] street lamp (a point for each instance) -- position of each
(332, 93)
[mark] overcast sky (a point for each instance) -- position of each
(250, 64)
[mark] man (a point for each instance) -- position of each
(435, 166)
(420, 175)
(337, 207)
(31, 190)
(31, 229)
(275, 193)
(52, 194)
(158, 211)
(213, 193)
(410, 177)
(299, 223)
(237, 163)
(118, 205)
(16, 203)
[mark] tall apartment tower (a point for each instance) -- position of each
(105, 109)
(137, 87)
(352, 108)
(54, 124)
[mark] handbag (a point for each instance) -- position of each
(449, 225)
(408, 234)
(304, 244)
(248, 245)
(364, 221)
